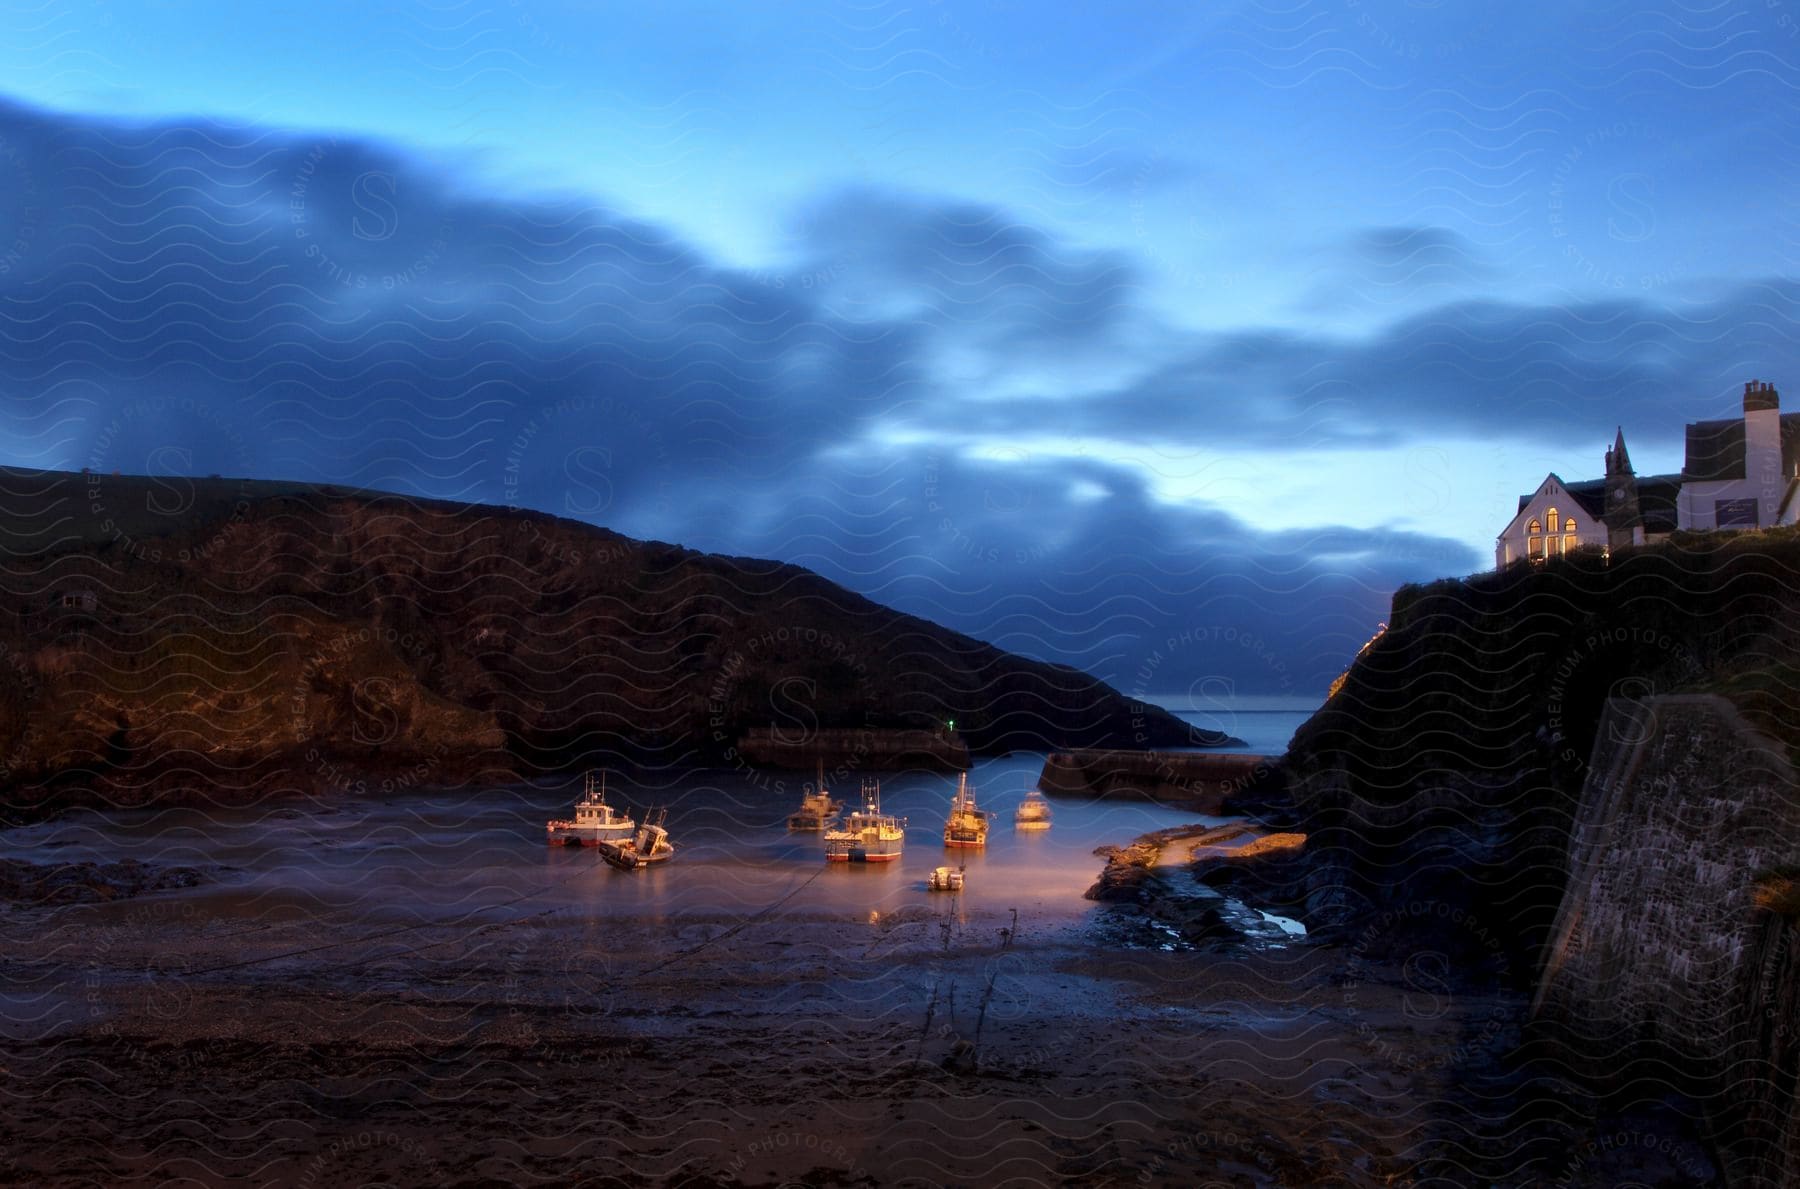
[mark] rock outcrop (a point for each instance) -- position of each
(282, 637)
(1573, 781)
(1673, 960)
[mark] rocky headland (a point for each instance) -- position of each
(1565, 792)
(167, 640)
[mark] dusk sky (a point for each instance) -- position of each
(1081, 330)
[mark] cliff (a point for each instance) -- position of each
(219, 638)
(1447, 769)
(1574, 782)
(1672, 965)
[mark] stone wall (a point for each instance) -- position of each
(854, 748)
(1201, 781)
(1671, 960)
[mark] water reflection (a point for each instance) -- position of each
(422, 855)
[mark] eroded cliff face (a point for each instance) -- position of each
(1672, 964)
(1575, 782)
(1445, 774)
(283, 637)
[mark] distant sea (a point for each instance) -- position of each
(1266, 723)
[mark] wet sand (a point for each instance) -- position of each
(924, 1046)
(418, 991)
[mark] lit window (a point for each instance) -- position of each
(1569, 543)
(1534, 546)
(1552, 516)
(1536, 527)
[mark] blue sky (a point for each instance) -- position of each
(1077, 329)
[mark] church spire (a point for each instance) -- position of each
(1617, 461)
(1624, 520)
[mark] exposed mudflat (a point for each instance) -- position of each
(925, 1047)
(419, 991)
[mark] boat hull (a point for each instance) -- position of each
(580, 838)
(858, 855)
(626, 860)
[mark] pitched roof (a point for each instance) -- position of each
(1715, 449)
(1590, 494)
(1656, 499)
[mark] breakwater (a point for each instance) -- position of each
(1201, 781)
(853, 748)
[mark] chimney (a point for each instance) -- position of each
(1760, 397)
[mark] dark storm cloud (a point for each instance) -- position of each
(203, 297)
(1072, 560)
(327, 308)
(967, 271)
(1473, 368)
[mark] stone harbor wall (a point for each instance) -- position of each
(854, 748)
(1197, 780)
(1673, 964)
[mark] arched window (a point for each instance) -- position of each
(1536, 527)
(1552, 518)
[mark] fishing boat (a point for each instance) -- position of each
(946, 879)
(966, 826)
(650, 845)
(817, 809)
(1033, 812)
(594, 822)
(867, 835)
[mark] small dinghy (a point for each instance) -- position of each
(946, 879)
(651, 845)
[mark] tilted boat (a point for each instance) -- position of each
(817, 809)
(867, 835)
(594, 822)
(967, 825)
(946, 879)
(650, 845)
(1033, 812)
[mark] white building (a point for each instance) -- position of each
(1737, 474)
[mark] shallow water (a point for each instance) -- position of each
(448, 854)
(1265, 724)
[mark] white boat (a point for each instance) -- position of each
(1033, 812)
(966, 826)
(594, 822)
(650, 845)
(817, 809)
(867, 835)
(946, 879)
